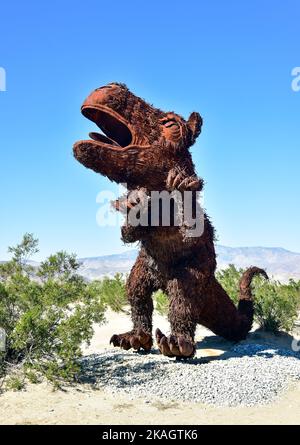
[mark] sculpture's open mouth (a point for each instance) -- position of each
(115, 132)
(111, 151)
(118, 150)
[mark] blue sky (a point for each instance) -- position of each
(231, 61)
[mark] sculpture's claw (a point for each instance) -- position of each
(135, 340)
(134, 198)
(174, 346)
(179, 181)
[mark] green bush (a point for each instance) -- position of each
(229, 278)
(161, 302)
(112, 292)
(47, 314)
(276, 305)
(15, 383)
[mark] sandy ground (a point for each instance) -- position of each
(39, 404)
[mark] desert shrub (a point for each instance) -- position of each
(161, 302)
(276, 304)
(111, 291)
(15, 383)
(230, 279)
(47, 314)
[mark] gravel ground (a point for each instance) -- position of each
(247, 375)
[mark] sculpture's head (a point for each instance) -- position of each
(139, 144)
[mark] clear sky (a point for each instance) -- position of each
(229, 60)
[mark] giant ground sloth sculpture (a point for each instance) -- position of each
(149, 150)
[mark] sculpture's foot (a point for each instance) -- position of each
(174, 346)
(134, 339)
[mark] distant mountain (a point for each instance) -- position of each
(279, 263)
(97, 267)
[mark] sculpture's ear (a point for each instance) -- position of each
(195, 122)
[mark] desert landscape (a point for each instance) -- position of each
(150, 249)
(87, 403)
(281, 264)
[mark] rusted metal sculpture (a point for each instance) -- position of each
(148, 150)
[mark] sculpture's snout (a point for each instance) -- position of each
(102, 96)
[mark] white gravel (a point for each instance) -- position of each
(249, 374)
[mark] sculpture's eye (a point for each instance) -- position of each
(170, 122)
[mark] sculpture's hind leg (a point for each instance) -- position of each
(220, 315)
(199, 298)
(142, 282)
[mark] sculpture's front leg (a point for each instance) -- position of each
(141, 284)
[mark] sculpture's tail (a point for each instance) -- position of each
(245, 306)
(245, 283)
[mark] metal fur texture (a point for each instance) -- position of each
(148, 149)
